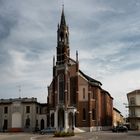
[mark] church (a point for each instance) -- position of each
(76, 102)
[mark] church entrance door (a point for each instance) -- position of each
(71, 121)
(61, 120)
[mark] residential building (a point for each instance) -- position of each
(75, 100)
(118, 118)
(22, 114)
(134, 109)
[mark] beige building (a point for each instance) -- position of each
(22, 114)
(118, 118)
(134, 109)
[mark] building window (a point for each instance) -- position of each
(37, 109)
(132, 101)
(83, 93)
(40, 110)
(93, 114)
(93, 95)
(61, 88)
(133, 112)
(36, 123)
(84, 114)
(5, 110)
(27, 109)
(27, 124)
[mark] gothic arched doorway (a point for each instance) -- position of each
(61, 119)
(71, 123)
(42, 124)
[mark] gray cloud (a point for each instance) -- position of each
(105, 32)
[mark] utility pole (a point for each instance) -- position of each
(19, 90)
(126, 111)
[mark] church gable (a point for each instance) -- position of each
(82, 79)
(72, 70)
(83, 88)
(91, 80)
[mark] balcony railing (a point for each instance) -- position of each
(133, 105)
(134, 116)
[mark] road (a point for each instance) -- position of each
(16, 136)
(101, 135)
(110, 136)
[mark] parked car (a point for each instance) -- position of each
(120, 129)
(36, 130)
(47, 130)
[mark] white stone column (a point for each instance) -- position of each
(56, 120)
(66, 121)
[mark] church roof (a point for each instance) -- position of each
(63, 21)
(106, 92)
(91, 80)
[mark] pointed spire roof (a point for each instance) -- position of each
(63, 21)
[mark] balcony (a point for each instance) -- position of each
(134, 117)
(133, 105)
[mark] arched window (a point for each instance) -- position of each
(84, 114)
(61, 88)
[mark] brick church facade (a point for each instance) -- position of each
(75, 100)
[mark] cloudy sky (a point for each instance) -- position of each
(106, 34)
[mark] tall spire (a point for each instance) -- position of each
(62, 41)
(63, 21)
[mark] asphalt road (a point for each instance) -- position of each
(16, 136)
(101, 135)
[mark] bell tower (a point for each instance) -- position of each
(62, 41)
